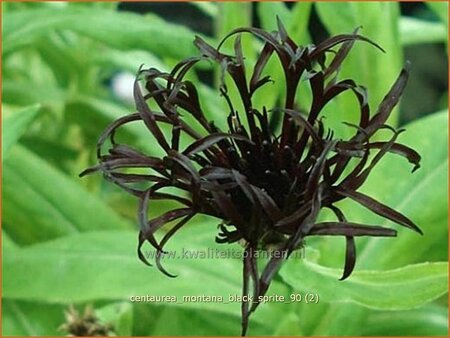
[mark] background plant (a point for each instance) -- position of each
(70, 241)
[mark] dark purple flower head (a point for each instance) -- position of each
(267, 188)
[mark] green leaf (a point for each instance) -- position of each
(422, 196)
(102, 112)
(153, 320)
(147, 32)
(57, 153)
(208, 8)
(415, 31)
(22, 318)
(332, 319)
(404, 288)
(440, 8)
(299, 23)
(145, 317)
(7, 242)
(268, 13)
(197, 322)
(15, 125)
(380, 24)
(189, 322)
(290, 325)
(41, 203)
(296, 22)
(119, 315)
(128, 60)
(84, 263)
(430, 320)
(31, 68)
(233, 15)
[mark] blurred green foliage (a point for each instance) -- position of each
(72, 241)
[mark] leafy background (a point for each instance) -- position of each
(73, 241)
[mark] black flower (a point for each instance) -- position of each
(268, 189)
